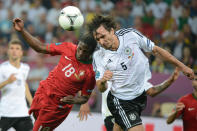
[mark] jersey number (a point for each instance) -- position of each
(68, 70)
(124, 67)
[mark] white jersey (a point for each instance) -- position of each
(12, 101)
(128, 64)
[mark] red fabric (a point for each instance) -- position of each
(67, 78)
(189, 113)
(70, 75)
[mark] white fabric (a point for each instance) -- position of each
(13, 102)
(128, 64)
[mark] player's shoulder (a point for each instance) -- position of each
(124, 31)
(4, 64)
(99, 53)
(186, 97)
(25, 66)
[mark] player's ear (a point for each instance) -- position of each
(112, 30)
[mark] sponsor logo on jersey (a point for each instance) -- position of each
(97, 74)
(67, 58)
(132, 116)
(58, 43)
(191, 109)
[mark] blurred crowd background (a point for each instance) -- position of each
(171, 24)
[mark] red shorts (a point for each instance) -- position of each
(48, 110)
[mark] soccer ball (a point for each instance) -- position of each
(71, 18)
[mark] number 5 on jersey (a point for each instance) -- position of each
(68, 70)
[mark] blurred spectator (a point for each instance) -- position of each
(193, 8)
(184, 18)
(158, 8)
(125, 19)
(49, 33)
(158, 65)
(3, 12)
(138, 8)
(148, 19)
(38, 73)
(87, 5)
(36, 11)
(106, 6)
(53, 13)
(187, 58)
(6, 25)
(176, 9)
(156, 31)
(167, 20)
(189, 36)
(179, 44)
(169, 36)
(193, 25)
(41, 25)
(20, 6)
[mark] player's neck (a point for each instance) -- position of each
(15, 63)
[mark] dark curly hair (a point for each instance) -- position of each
(89, 40)
(108, 23)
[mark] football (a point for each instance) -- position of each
(71, 18)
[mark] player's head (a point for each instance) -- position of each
(15, 51)
(103, 29)
(86, 46)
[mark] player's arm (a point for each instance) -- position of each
(178, 108)
(36, 44)
(11, 79)
(157, 89)
(28, 94)
(75, 100)
(165, 55)
(102, 83)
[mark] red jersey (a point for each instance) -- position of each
(70, 75)
(189, 113)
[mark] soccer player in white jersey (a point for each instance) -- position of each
(124, 64)
(14, 90)
(151, 90)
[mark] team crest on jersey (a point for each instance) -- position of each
(128, 51)
(81, 73)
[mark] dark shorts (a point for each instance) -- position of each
(109, 123)
(18, 123)
(127, 112)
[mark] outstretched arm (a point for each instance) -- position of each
(157, 89)
(179, 107)
(28, 94)
(37, 45)
(170, 58)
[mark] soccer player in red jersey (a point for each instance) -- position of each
(187, 107)
(55, 96)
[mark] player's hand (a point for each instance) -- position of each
(179, 106)
(107, 75)
(175, 74)
(68, 99)
(188, 72)
(18, 24)
(12, 78)
(84, 112)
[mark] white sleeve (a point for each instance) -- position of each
(143, 42)
(98, 67)
(1, 74)
(27, 68)
(147, 86)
